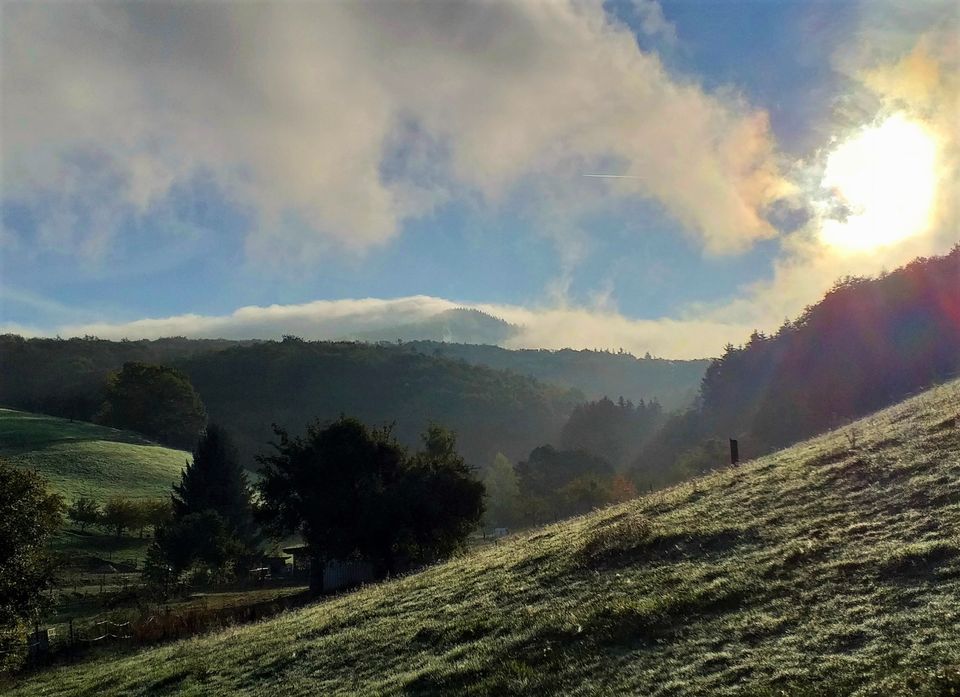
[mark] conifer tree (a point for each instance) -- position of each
(215, 481)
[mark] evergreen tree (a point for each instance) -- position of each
(615, 431)
(215, 481)
(212, 523)
(443, 499)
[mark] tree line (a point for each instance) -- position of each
(119, 514)
(589, 468)
(869, 343)
(246, 386)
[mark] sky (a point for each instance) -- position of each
(235, 169)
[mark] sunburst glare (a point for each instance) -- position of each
(886, 177)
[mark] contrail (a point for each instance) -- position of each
(612, 176)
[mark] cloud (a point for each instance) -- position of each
(322, 319)
(907, 66)
(548, 327)
(653, 22)
(337, 122)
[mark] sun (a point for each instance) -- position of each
(885, 177)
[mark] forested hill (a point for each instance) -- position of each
(867, 344)
(66, 377)
(246, 388)
(290, 382)
(673, 383)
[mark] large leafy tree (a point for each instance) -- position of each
(558, 483)
(155, 400)
(352, 490)
(328, 484)
(29, 515)
(84, 511)
(119, 514)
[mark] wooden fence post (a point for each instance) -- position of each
(734, 452)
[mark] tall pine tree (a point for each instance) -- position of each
(215, 481)
(212, 528)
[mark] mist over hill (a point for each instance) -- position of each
(460, 325)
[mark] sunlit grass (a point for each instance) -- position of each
(826, 569)
(82, 459)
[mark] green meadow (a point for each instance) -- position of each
(83, 459)
(829, 568)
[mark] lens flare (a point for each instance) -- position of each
(885, 176)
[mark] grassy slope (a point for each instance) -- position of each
(823, 569)
(82, 459)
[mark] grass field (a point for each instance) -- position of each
(830, 568)
(83, 459)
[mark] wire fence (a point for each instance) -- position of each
(65, 642)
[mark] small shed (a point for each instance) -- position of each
(337, 573)
(301, 557)
(277, 564)
(344, 574)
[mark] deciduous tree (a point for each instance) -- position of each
(84, 511)
(503, 492)
(155, 400)
(119, 514)
(348, 489)
(29, 515)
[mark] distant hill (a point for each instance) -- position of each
(597, 374)
(83, 459)
(459, 325)
(824, 569)
(248, 386)
(290, 382)
(66, 377)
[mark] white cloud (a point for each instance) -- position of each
(653, 22)
(295, 108)
(355, 117)
(907, 63)
(555, 328)
(326, 319)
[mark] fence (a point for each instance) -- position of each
(48, 644)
